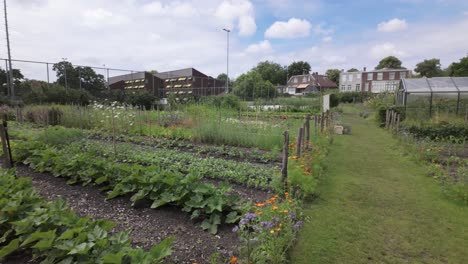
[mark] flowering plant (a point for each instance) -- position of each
(268, 232)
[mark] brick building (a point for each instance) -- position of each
(376, 81)
(309, 83)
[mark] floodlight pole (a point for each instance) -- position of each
(65, 72)
(11, 86)
(227, 61)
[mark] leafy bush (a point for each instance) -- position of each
(443, 131)
(57, 94)
(59, 136)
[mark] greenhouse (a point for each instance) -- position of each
(428, 97)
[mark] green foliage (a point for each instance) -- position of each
(57, 94)
(142, 99)
(429, 68)
(352, 70)
(443, 131)
(90, 81)
(57, 235)
(333, 75)
(349, 97)
(228, 101)
(161, 186)
(459, 69)
(251, 86)
(272, 72)
(59, 136)
(298, 68)
(391, 62)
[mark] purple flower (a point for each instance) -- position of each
(292, 215)
(243, 221)
(297, 225)
(275, 219)
(250, 216)
(235, 229)
(266, 224)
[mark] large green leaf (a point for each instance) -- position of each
(48, 235)
(82, 248)
(8, 249)
(113, 258)
(163, 249)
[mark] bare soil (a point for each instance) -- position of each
(149, 226)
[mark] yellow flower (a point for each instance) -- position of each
(259, 204)
(274, 207)
(272, 231)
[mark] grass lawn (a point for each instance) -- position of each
(377, 206)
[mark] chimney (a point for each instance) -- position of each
(342, 70)
(364, 69)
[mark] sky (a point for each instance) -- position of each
(166, 35)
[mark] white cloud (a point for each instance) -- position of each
(327, 39)
(238, 14)
(99, 17)
(293, 28)
(392, 25)
(176, 9)
(261, 47)
(465, 13)
(380, 51)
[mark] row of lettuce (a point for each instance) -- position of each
(267, 230)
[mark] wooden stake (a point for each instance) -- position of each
(307, 131)
(398, 123)
(387, 116)
(299, 141)
(322, 117)
(284, 169)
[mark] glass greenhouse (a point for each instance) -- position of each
(425, 97)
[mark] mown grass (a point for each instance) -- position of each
(378, 206)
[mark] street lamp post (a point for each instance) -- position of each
(227, 60)
(65, 72)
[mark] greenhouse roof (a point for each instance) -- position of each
(435, 85)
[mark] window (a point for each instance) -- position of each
(391, 76)
(380, 76)
(402, 75)
(343, 87)
(358, 87)
(370, 76)
(343, 78)
(358, 76)
(182, 79)
(295, 80)
(350, 77)
(349, 87)
(304, 79)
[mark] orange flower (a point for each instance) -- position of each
(233, 260)
(274, 207)
(278, 229)
(259, 204)
(260, 213)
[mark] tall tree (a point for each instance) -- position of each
(17, 78)
(389, 62)
(271, 71)
(333, 75)
(86, 76)
(459, 69)
(251, 86)
(353, 70)
(298, 68)
(223, 77)
(429, 68)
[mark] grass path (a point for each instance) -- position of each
(376, 206)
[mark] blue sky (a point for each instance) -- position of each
(166, 35)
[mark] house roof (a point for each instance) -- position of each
(386, 70)
(435, 84)
(313, 80)
(187, 72)
(126, 77)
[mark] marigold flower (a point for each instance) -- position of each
(274, 207)
(233, 260)
(278, 229)
(259, 204)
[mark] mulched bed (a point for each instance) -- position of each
(149, 226)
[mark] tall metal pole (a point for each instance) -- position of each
(48, 80)
(11, 86)
(227, 61)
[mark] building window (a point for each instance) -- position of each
(380, 76)
(343, 78)
(349, 87)
(359, 76)
(370, 76)
(304, 79)
(351, 77)
(391, 76)
(358, 87)
(295, 80)
(402, 75)
(343, 87)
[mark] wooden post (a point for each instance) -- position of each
(299, 141)
(307, 131)
(387, 117)
(393, 119)
(322, 120)
(303, 143)
(284, 169)
(6, 145)
(113, 131)
(398, 123)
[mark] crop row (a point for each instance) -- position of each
(52, 233)
(159, 185)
